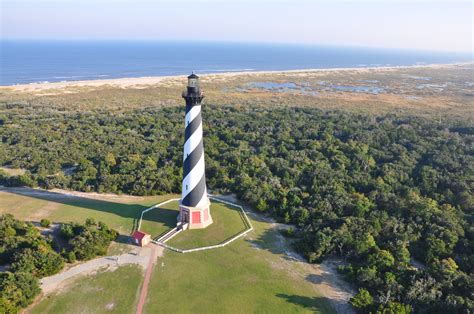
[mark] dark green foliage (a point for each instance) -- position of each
(362, 301)
(45, 223)
(21, 180)
(31, 256)
(39, 262)
(17, 290)
(22, 245)
(392, 195)
(17, 235)
(87, 241)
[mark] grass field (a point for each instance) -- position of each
(251, 275)
(227, 222)
(160, 220)
(105, 292)
(120, 213)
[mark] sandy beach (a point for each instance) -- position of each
(143, 82)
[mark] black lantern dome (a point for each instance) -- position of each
(193, 85)
(193, 80)
(193, 90)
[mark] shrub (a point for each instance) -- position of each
(362, 300)
(45, 223)
(89, 240)
(17, 290)
(38, 262)
(290, 232)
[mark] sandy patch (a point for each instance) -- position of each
(44, 211)
(139, 256)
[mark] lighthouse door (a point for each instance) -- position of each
(185, 217)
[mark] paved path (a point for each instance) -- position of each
(146, 281)
(140, 257)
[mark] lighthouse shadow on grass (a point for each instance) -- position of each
(309, 303)
(120, 213)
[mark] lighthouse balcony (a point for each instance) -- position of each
(193, 94)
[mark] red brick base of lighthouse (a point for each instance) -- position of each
(194, 217)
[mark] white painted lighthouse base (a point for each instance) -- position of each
(194, 217)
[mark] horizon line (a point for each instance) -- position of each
(224, 41)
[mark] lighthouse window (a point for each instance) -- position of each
(186, 187)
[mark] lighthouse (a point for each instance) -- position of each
(194, 206)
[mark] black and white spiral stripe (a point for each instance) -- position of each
(194, 180)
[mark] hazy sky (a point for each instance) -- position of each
(415, 24)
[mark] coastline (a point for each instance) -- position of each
(143, 82)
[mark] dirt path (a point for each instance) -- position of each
(139, 257)
(144, 292)
(324, 277)
(60, 194)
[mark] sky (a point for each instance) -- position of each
(407, 24)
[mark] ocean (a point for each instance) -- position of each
(24, 62)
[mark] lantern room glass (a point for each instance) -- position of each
(193, 82)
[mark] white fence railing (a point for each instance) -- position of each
(249, 227)
(166, 237)
(153, 207)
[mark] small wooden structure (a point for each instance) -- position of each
(141, 238)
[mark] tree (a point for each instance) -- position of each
(362, 301)
(17, 290)
(39, 262)
(88, 240)
(382, 259)
(394, 308)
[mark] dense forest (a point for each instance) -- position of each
(392, 196)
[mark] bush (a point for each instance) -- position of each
(38, 262)
(17, 290)
(362, 301)
(66, 231)
(290, 232)
(89, 240)
(71, 257)
(45, 223)
(394, 308)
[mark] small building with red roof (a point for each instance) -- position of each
(141, 238)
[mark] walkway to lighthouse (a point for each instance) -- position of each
(159, 244)
(146, 281)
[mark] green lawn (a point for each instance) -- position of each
(227, 222)
(121, 214)
(238, 278)
(105, 292)
(252, 274)
(160, 220)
